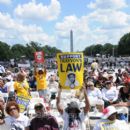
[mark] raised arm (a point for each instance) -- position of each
(35, 70)
(87, 104)
(59, 107)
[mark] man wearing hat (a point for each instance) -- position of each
(72, 115)
(109, 121)
(42, 121)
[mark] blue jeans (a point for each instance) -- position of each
(42, 93)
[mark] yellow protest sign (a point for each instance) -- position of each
(70, 69)
(121, 125)
(22, 102)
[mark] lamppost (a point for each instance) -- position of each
(113, 49)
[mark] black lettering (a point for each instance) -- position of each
(69, 68)
(77, 67)
(61, 68)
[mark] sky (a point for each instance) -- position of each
(49, 22)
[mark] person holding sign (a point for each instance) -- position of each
(40, 76)
(72, 115)
(70, 70)
(110, 122)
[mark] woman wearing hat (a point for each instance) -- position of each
(109, 121)
(72, 115)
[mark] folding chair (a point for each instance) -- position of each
(123, 110)
(34, 94)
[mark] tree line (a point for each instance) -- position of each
(16, 51)
(121, 49)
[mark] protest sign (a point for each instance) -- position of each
(39, 57)
(22, 102)
(121, 125)
(70, 69)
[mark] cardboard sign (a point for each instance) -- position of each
(22, 102)
(39, 57)
(70, 69)
(121, 125)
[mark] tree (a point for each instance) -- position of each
(107, 48)
(124, 45)
(5, 53)
(18, 50)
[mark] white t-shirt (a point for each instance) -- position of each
(77, 125)
(108, 125)
(53, 86)
(17, 123)
(110, 94)
(10, 86)
(96, 93)
(2, 69)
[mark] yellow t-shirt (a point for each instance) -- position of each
(22, 88)
(41, 81)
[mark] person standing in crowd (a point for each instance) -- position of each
(15, 120)
(40, 76)
(110, 121)
(94, 65)
(53, 86)
(21, 86)
(42, 121)
(73, 117)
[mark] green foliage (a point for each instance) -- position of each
(5, 53)
(18, 50)
(124, 45)
(100, 49)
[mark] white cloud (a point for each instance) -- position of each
(33, 10)
(109, 18)
(20, 32)
(108, 4)
(5, 1)
(72, 23)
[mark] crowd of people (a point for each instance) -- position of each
(103, 89)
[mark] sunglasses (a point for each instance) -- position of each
(11, 109)
(38, 108)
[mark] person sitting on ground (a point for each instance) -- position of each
(42, 120)
(15, 120)
(109, 94)
(3, 88)
(109, 121)
(124, 92)
(94, 95)
(73, 117)
(2, 106)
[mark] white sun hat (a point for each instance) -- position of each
(109, 111)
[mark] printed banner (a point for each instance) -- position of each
(121, 125)
(22, 102)
(70, 69)
(39, 57)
